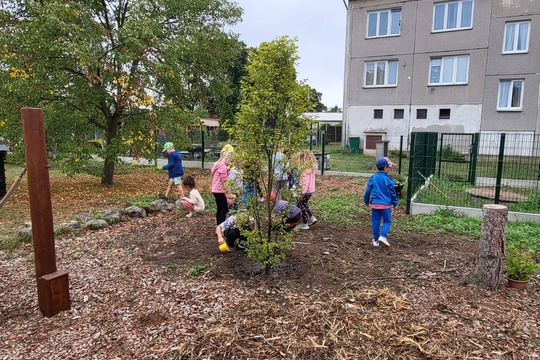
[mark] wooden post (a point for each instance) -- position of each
(489, 271)
(53, 289)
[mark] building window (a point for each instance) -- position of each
(444, 114)
(421, 113)
(510, 95)
(450, 70)
(398, 113)
(384, 23)
(378, 114)
(516, 37)
(453, 15)
(381, 73)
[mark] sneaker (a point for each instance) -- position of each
(384, 241)
(189, 215)
(312, 221)
(375, 242)
(302, 226)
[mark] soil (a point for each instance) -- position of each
(335, 296)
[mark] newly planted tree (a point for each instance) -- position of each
(127, 68)
(270, 117)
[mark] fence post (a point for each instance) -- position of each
(473, 157)
(500, 168)
(411, 175)
(400, 153)
(323, 136)
(202, 150)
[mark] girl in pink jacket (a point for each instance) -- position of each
(220, 175)
(308, 165)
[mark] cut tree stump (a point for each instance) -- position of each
(489, 271)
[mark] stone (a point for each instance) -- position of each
(96, 224)
(135, 211)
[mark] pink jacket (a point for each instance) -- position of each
(220, 175)
(307, 180)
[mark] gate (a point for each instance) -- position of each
(458, 154)
(422, 162)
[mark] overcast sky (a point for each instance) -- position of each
(319, 26)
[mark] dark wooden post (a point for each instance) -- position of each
(3, 153)
(53, 288)
(489, 271)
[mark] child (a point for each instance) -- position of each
(220, 174)
(381, 195)
(194, 203)
(175, 169)
(230, 230)
(308, 165)
(235, 184)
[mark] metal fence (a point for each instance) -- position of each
(471, 170)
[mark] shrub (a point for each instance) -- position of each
(520, 264)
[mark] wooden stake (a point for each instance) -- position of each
(52, 298)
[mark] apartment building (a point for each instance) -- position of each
(459, 66)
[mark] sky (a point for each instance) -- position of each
(320, 28)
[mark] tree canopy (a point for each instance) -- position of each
(128, 68)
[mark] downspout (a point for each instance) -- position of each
(345, 130)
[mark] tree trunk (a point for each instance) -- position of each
(489, 271)
(108, 173)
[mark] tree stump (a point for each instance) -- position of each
(489, 271)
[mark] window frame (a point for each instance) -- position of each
(443, 115)
(424, 111)
(378, 114)
(442, 71)
(401, 113)
(516, 36)
(386, 73)
(510, 95)
(389, 26)
(459, 16)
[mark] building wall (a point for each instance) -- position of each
(473, 105)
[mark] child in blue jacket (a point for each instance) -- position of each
(381, 196)
(174, 166)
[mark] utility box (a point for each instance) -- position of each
(319, 158)
(55, 294)
(381, 148)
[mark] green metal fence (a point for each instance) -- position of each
(476, 169)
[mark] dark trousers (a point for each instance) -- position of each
(222, 207)
(304, 207)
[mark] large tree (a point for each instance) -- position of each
(271, 107)
(126, 67)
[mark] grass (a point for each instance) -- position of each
(450, 193)
(136, 185)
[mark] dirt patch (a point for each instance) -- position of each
(334, 297)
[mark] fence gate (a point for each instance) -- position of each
(422, 162)
(458, 154)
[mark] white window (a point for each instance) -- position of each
(453, 15)
(384, 23)
(381, 73)
(510, 95)
(449, 70)
(516, 37)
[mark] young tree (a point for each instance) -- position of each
(271, 106)
(120, 66)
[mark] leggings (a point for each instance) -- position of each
(222, 207)
(304, 207)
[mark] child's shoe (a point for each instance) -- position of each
(312, 221)
(302, 226)
(384, 241)
(375, 242)
(189, 215)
